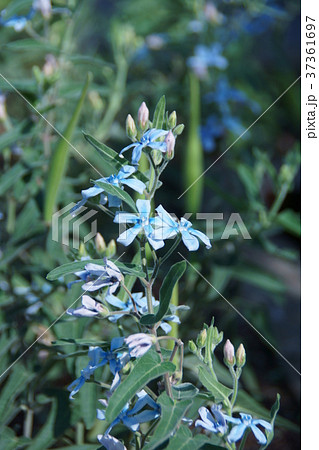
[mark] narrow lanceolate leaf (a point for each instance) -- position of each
(60, 157)
(147, 368)
(117, 192)
(45, 437)
(273, 415)
(159, 113)
(65, 269)
(165, 294)
(217, 389)
(171, 416)
(184, 440)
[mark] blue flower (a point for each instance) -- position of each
(215, 423)
(142, 223)
(99, 358)
(149, 139)
(139, 344)
(18, 23)
(141, 306)
(132, 418)
(207, 57)
(110, 442)
(168, 227)
(119, 180)
(97, 277)
(89, 308)
(245, 422)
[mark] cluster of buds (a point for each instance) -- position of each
(229, 355)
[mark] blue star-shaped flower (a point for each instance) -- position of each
(168, 227)
(119, 180)
(241, 425)
(149, 139)
(142, 223)
(215, 423)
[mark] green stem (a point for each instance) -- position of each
(11, 215)
(243, 441)
(171, 250)
(279, 201)
(235, 377)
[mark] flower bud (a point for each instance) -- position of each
(170, 145)
(100, 243)
(229, 353)
(3, 111)
(179, 129)
(111, 249)
(192, 346)
(143, 116)
(130, 127)
(172, 120)
(217, 336)
(201, 338)
(241, 356)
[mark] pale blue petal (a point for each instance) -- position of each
(136, 155)
(114, 301)
(163, 233)
(259, 435)
(237, 433)
(135, 184)
(114, 201)
(128, 236)
(123, 217)
(125, 172)
(232, 419)
(263, 423)
(165, 327)
(128, 147)
(191, 242)
(117, 343)
(143, 207)
(155, 134)
(91, 192)
(161, 146)
(201, 236)
(166, 217)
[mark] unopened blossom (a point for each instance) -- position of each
(247, 422)
(97, 277)
(167, 227)
(89, 308)
(170, 144)
(241, 356)
(44, 6)
(122, 178)
(214, 422)
(130, 127)
(139, 344)
(229, 352)
(142, 224)
(149, 139)
(143, 116)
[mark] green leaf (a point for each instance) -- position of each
(257, 277)
(290, 221)
(147, 368)
(159, 113)
(60, 156)
(117, 192)
(273, 415)
(87, 397)
(184, 391)
(217, 389)
(65, 269)
(165, 294)
(184, 440)
(11, 177)
(110, 156)
(45, 437)
(171, 416)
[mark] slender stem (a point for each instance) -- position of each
(28, 423)
(279, 201)
(79, 433)
(149, 298)
(235, 377)
(131, 297)
(243, 441)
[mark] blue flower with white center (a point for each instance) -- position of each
(97, 277)
(141, 305)
(89, 308)
(207, 57)
(142, 224)
(245, 422)
(132, 418)
(149, 139)
(119, 180)
(168, 227)
(215, 423)
(99, 358)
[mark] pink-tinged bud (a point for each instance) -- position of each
(143, 116)
(241, 356)
(100, 243)
(170, 145)
(229, 353)
(50, 66)
(44, 6)
(130, 127)
(3, 110)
